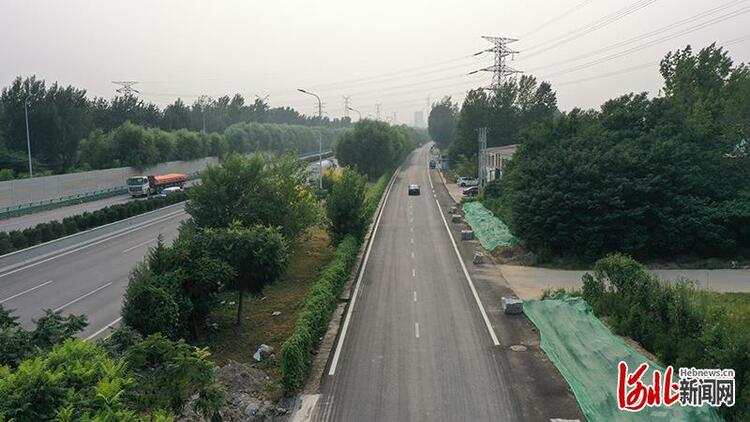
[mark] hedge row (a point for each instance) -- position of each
(320, 304)
(44, 232)
(322, 300)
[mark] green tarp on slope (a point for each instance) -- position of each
(490, 231)
(587, 354)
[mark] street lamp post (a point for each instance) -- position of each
(356, 111)
(320, 135)
(28, 138)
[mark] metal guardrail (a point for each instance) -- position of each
(312, 155)
(64, 201)
(80, 198)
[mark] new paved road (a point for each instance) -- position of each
(85, 273)
(417, 347)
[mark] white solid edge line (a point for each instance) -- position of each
(466, 273)
(104, 328)
(349, 311)
(79, 298)
(24, 292)
(91, 230)
(138, 245)
(88, 245)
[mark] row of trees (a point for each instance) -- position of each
(60, 117)
(517, 104)
(373, 147)
(138, 146)
(653, 177)
(43, 232)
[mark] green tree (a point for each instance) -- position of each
(345, 205)
(258, 254)
(442, 122)
(254, 190)
(167, 373)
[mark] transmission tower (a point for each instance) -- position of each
(347, 104)
(126, 87)
(377, 111)
(500, 70)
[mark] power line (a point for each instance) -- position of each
(643, 36)
(587, 29)
(557, 18)
(653, 42)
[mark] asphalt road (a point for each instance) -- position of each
(30, 220)
(85, 273)
(417, 346)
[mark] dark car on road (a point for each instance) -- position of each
(413, 189)
(433, 163)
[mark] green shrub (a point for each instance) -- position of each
(683, 326)
(168, 373)
(44, 232)
(149, 307)
(76, 380)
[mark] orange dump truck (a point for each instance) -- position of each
(151, 185)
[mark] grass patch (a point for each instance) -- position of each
(309, 254)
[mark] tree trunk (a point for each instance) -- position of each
(239, 307)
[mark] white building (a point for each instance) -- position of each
(496, 159)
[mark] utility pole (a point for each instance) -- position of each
(347, 104)
(500, 70)
(126, 87)
(394, 118)
(482, 157)
(377, 111)
(320, 135)
(28, 138)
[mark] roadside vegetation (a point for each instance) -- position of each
(682, 325)
(72, 132)
(664, 178)
(257, 242)
(44, 232)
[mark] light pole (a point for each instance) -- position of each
(28, 138)
(356, 111)
(320, 135)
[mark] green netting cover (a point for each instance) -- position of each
(490, 231)
(587, 354)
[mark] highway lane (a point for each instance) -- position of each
(83, 274)
(417, 347)
(30, 220)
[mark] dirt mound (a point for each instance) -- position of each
(243, 385)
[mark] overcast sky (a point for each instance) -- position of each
(395, 53)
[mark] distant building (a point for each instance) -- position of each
(497, 160)
(419, 119)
